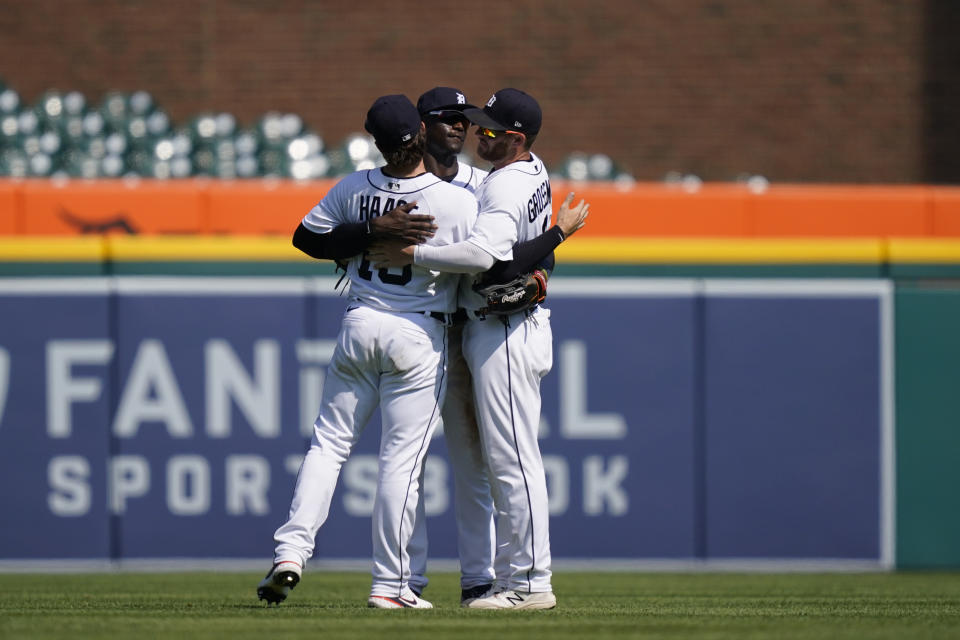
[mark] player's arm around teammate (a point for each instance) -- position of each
(525, 255)
(348, 239)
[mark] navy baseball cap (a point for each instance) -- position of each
(441, 99)
(393, 121)
(508, 110)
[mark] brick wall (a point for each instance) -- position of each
(799, 90)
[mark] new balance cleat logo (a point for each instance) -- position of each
(515, 600)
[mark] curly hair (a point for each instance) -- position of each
(408, 156)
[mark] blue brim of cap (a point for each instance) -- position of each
(481, 119)
(449, 107)
(456, 107)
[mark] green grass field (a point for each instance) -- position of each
(591, 605)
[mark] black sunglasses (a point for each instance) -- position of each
(447, 115)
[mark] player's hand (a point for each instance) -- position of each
(400, 224)
(390, 253)
(571, 219)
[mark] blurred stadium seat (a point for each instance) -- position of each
(128, 134)
(582, 167)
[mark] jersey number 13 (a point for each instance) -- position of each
(385, 276)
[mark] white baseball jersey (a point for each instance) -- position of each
(516, 206)
(367, 194)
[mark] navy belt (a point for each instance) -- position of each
(480, 315)
(445, 318)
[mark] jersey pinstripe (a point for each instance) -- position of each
(469, 177)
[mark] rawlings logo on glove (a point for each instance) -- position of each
(523, 292)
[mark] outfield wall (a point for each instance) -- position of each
(684, 419)
(928, 424)
(900, 239)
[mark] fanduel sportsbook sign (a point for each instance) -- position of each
(168, 417)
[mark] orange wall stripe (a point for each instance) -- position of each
(842, 211)
(262, 206)
(8, 208)
(82, 206)
(945, 204)
(275, 207)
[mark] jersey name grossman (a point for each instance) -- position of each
(540, 200)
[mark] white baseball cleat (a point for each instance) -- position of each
(516, 600)
(406, 600)
(282, 577)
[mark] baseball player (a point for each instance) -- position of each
(391, 351)
(441, 110)
(507, 355)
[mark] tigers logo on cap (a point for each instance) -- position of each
(442, 99)
(508, 110)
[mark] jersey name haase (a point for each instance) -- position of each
(370, 206)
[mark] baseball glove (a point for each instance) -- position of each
(523, 292)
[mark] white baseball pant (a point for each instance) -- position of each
(396, 360)
(507, 357)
